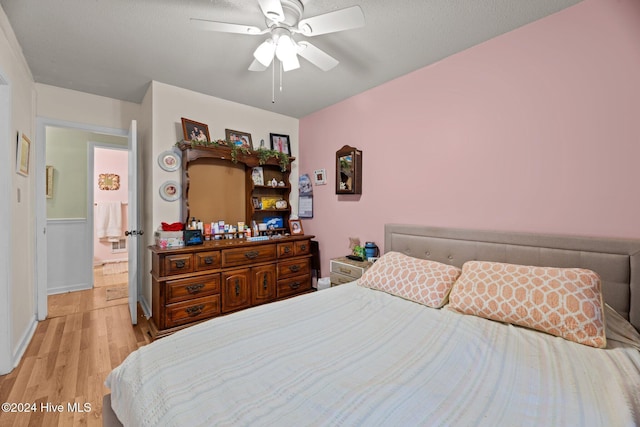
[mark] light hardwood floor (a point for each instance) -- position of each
(70, 355)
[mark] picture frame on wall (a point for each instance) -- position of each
(320, 176)
(109, 181)
(239, 139)
(22, 159)
(280, 143)
(195, 131)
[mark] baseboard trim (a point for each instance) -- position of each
(69, 288)
(109, 261)
(25, 339)
(146, 309)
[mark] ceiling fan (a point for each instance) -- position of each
(283, 21)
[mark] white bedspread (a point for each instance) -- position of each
(354, 356)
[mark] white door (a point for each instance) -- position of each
(133, 233)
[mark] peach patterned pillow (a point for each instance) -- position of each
(565, 302)
(422, 281)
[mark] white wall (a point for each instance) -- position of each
(69, 264)
(168, 105)
(17, 296)
(79, 107)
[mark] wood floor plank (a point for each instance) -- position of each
(69, 357)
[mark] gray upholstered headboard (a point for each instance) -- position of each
(617, 261)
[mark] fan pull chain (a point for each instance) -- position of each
(273, 82)
(280, 75)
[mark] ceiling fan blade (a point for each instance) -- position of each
(272, 9)
(225, 27)
(257, 66)
(317, 57)
(340, 20)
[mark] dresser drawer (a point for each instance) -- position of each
(294, 285)
(185, 289)
(207, 260)
(353, 271)
(340, 279)
(178, 264)
(293, 268)
(285, 250)
(250, 255)
(192, 310)
(302, 247)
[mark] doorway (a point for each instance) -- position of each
(67, 214)
(109, 191)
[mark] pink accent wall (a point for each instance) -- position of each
(537, 130)
(110, 161)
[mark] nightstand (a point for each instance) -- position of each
(345, 270)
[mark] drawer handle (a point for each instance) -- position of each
(180, 264)
(208, 260)
(195, 310)
(303, 247)
(294, 285)
(252, 254)
(194, 289)
(237, 287)
(295, 268)
(264, 282)
(345, 270)
(287, 249)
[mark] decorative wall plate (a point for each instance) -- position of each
(169, 160)
(170, 191)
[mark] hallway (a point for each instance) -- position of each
(107, 278)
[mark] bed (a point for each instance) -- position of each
(353, 355)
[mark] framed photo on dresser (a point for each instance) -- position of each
(295, 226)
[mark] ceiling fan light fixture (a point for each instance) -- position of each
(291, 63)
(264, 52)
(286, 48)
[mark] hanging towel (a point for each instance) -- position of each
(109, 220)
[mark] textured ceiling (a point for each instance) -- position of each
(114, 48)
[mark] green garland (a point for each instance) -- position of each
(263, 155)
(234, 152)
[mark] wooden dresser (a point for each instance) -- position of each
(196, 283)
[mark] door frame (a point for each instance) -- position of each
(41, 200)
